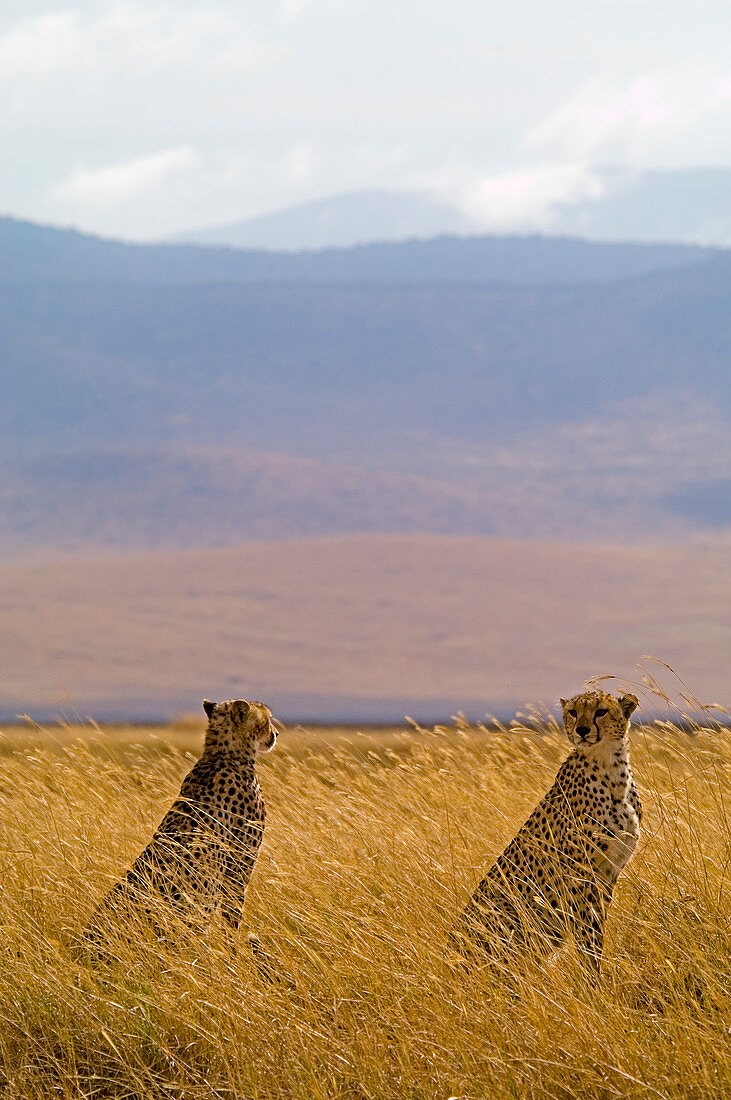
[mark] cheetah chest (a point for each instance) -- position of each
(611, 822)
(621, 835)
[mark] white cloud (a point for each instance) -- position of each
(520, 200)
(610, 119)
(299, 99)
(117, 184)
(291, 10)
(34, 48)
(129, 38)
(300, 164)
(526, 199)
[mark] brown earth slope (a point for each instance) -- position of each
(358, 625)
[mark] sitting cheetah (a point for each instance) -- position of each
(557, 876)
(204, 850)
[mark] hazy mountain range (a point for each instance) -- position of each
(33, 253)
(692, 205)
(341, 221)
(177, 409)
(689, 205)
(398, 478)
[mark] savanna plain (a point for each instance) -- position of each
(374, 840)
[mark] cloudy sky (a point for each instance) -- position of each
(141, 119)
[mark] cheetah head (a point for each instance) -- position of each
(252, 723)
(596, 716)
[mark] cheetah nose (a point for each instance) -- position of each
(583, 731)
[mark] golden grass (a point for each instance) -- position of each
(373, 842)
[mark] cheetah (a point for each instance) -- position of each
(557, 876)
(203, 852)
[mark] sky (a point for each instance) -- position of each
(142, 119)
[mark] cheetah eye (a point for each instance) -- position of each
(572, 713)
(600, 713)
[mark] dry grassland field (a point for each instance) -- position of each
(374, 840)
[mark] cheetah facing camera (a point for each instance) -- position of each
(557, 876)
(203, 852)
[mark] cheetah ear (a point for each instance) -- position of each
(208, 707)
(628, 703)
(240, 709)
(563, 702)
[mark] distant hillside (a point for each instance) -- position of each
(34, 253)
(133, 411)
(313, 370)
(367, 627)
(386, 400)
(692, 205)
(341, 221)
(688, 205)
(177, 498)
(649, 473)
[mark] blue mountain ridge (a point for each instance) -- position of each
(414, 369)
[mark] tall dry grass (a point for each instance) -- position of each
(373, 843)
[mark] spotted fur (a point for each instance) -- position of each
(557, 876)
(203, 852)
